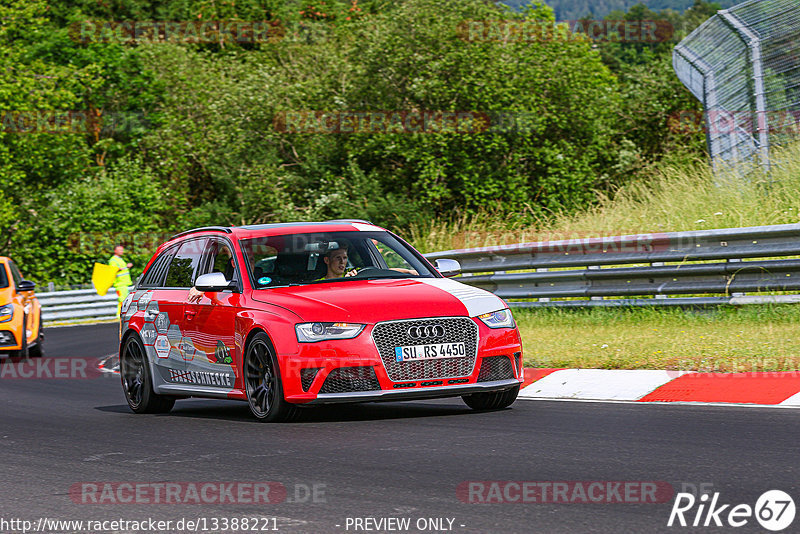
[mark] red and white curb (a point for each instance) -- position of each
(764, 389)
(759, 389)
(109, 364)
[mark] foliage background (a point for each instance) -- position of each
(203, 148)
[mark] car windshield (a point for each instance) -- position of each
(324, 257)
(3, 276)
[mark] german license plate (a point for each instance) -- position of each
(436, 351)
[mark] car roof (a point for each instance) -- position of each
(263, 230)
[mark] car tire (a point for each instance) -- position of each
(137, 383)
(37, 350)
(491, 401)
(263, 383)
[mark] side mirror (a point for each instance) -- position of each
(26, 285)
(448, 268)
(213, 283)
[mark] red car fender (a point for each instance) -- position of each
(134, 326)
(278, 325)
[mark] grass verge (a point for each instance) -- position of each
(676, 198)
(79, 322)
(751, 338)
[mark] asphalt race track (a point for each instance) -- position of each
(403, 460)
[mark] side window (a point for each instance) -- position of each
(3, 277)
(154, 277)
(261, 256)
(184, 265)
(15, 274)
(219, 259)
(392, 259)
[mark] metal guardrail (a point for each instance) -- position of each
(621, 270)
(633, 270)
(75, 305)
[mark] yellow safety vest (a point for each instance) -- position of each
(123, 278)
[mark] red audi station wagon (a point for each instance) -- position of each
(284, 316)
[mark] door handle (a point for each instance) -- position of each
(151, 314)
(189, 314)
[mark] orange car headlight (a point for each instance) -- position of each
(6, 313)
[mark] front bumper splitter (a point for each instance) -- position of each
(418, 393)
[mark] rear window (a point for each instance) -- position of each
(3, 276)
(154, 277)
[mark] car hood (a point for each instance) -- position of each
(373, 301)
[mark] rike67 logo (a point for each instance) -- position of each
(774, 510)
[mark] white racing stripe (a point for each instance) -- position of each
(361, 227)
(477, 301)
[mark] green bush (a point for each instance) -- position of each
(209, 149)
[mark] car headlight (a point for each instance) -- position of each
(498, 319)
(6, 313)
(313, 332)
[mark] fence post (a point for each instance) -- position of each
(753, 43)
(708, 92)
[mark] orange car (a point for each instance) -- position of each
(20, 313)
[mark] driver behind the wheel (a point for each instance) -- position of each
(336, 261)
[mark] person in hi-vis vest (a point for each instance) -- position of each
(123, 279)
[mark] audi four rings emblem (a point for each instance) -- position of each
(426, 331)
